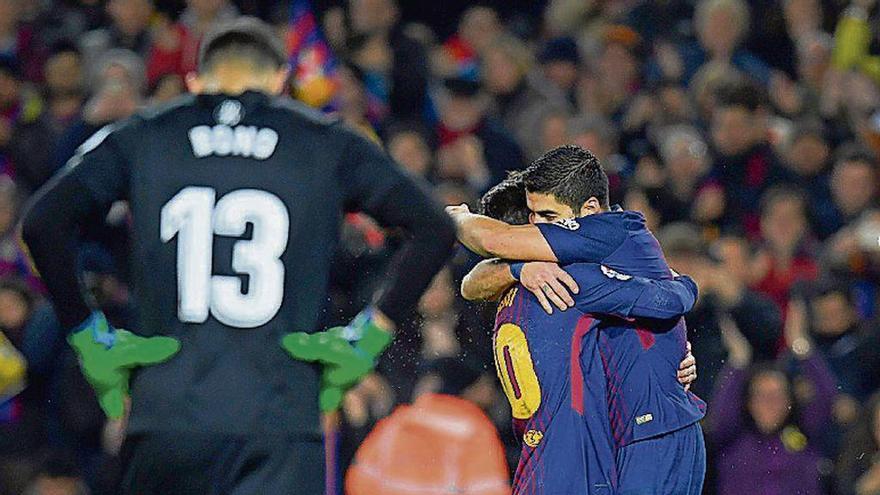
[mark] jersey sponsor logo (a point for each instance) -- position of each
(567, 223)
(222, 140)
(608, 272)
(533, 437)
(229, 113)
(644, 418)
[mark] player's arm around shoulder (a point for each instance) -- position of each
(487, 281)
(550, 284)
(492, 238)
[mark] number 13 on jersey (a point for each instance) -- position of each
(195, 215)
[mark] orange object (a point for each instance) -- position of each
(438, 446)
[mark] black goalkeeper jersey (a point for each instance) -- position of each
(236, 203)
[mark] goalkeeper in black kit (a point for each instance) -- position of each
(236, 197)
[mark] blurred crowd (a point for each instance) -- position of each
(747, 132)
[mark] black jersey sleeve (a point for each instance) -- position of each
(81, 192)
(375, 185)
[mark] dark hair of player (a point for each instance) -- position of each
(245, 38)
(569, 173)
(507, 201)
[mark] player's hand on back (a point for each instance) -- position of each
(348, 353)
(550, 284)
(687, 369)
(107, 356)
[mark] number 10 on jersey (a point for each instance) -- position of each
(194, 216)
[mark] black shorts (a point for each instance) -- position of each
(184, 464)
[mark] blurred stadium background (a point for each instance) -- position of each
(747, 131)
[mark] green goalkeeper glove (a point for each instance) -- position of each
(107, 355)
(347, 353)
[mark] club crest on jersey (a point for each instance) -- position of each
(229, 113)
(567, 223)
(608, 272)
(533, 437)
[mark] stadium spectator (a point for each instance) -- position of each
(474, 147)
(848, 343)
(176, 46)
(65, 86)
(18, 45)
(786, 254)
(395, 66)
(766, 430)
(521, 96)
(460, 54)
(409, 145)
(853, 187)
(18, 108)
(745, 163)
(554, 129)
(684, 154)
(807, 157)
(617, 77)
(24, 133)
(130, 29)
(858, 470)
(723, 296)
(722, 26)
(560, 62)
(23, 427)
(118, 91)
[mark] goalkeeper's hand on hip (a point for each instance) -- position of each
(107, 356)
(348, 354)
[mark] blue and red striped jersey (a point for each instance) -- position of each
(640, 358)
(553, 376)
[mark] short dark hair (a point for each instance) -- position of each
(745, 94)
(246, 38)
(507, 201)
(569, 173)
(827, 286)
(854, 152)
